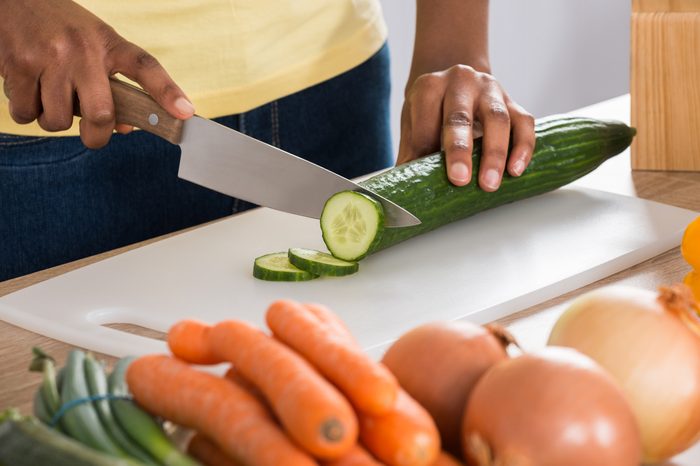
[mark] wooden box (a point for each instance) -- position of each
(665, 84)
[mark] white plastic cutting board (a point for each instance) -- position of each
(483, 268)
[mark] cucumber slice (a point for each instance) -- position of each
(320, 263)
(277, 268)
(352, 224)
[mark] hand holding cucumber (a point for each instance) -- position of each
(446, 100)
(443, 110)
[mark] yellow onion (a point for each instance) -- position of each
(439, 363)
(650, 343)
(556, 407)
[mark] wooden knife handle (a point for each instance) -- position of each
(134, 107)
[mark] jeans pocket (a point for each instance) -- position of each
(24, 151)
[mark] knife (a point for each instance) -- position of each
(237, 165)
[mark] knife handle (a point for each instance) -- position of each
(134, 107)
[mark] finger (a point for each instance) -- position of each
(425, 116)
(523, 133)
(141, 67)
(493, 114)
(405, 153)
(457, 137)
(123, 129)
(25, 102)
(57, 102)
(96, 109)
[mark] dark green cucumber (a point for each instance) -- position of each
(567, 148)
(321, 263)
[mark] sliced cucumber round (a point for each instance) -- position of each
(277, 268)
(352, 224)
(321, 263)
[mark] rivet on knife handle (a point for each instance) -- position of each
(132, 106)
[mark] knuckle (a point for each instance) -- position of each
(22, 115)
(426, 81)
(461, 70)
(101, 117)
(497, 154)
(529, 118)
(145, 60)
(459, 145)
(23, 61)
(497, 111)
(52, 124)
(458, 118)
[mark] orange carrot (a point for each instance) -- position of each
(187, 340)
(445, 459)
(218, 408)
(235, 376)
(369, 385)
(331, 320)
(311, 410)
(407, 436)
(206, 452)
(358, 456)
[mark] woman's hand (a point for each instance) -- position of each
(54, 51)
(448, 109)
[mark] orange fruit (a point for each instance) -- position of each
(693, 281)
(690, 246)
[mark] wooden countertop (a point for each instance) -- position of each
(680, 189)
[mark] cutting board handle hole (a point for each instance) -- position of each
(138, 330)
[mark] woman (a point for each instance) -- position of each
(309, 76)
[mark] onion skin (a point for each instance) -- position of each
(438, 364)
(555, 407)
(652, 353)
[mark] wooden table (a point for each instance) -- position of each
(680, 189)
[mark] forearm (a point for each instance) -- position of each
(450, 32)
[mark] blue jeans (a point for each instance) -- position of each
(60, 201)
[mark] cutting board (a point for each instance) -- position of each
(481, 268)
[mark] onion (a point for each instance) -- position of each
(556, 407)
(439, 363)
(650, 343)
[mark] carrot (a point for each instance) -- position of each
(369, 385)
(187, 340)
(445, 459)
(311, 410)
(218, 408)
(235, 376)
(206, 452)
(407, 436)
(330, 320)
(358, 456)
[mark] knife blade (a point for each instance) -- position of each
(238, 165)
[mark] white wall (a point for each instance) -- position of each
(550, 55)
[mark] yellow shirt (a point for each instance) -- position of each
(230, 56)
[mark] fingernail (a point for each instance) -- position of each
(519, 167)
(491, 179)
(459, 171)
(184, 106)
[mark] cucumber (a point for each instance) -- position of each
(353, 222)
(321, 263)
(567, 148)
(25, 441)
(277, 268)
